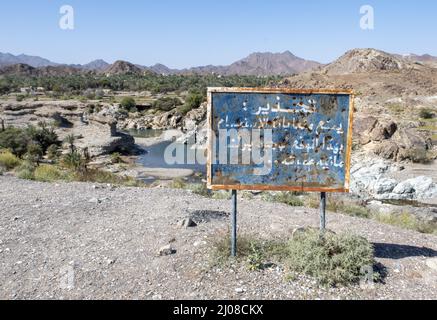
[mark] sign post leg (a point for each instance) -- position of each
(234, 224)
(323, 212)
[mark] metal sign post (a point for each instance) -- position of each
(234, 224)
(322, 212)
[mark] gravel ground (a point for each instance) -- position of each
(85, 241)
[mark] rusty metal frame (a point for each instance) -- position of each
(345, 189)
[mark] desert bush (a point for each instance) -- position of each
(116, 158)
(19, 97)
(34, 153)
(178, 183)
(331, 259)
(166, 103)
(406, 220)
(101, 176)
(249, 250)
(8, 160)
(72, 160)
(14, 139)
(288, 198)
(48, 173)
(53, 152)
(199, 188)
(128, 104)
(221, 195)
(426, 113)
(25, 170)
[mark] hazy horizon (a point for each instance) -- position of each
(196, 33)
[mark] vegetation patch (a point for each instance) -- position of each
(406, 220)
(48, 173)
(331, 259)
(8, 161)
(290, 198)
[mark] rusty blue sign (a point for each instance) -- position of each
(279, 139)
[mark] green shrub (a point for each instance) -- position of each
(128, 103)
(221, 195)
(331, 259)
(288, 198)
(100, 176)
(116, 158)
(53, 152)
(426, 113)
(19, 97)
(200, 189)
(26, 171)
(193, 101)
(249, 249)
(8, 160)
(166, 103)
(14, 139)
(34, 152)
(406, 220)
(73, 160)
(178, 183)
(47, 173)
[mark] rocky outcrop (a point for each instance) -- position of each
(172, 119)
(371, 178)
(390, 141)
(371, 129)
(367, 60)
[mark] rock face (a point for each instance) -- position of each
(391, 141)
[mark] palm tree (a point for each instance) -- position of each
(70, 139)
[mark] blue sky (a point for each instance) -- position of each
(185, 33)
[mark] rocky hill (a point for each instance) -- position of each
(122, 67)
(367, 60)
(34, 61)
(425, 58)
(19, 69)
(258, 64)
(271, 63)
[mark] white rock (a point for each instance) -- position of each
(404, 188)
(432, 263)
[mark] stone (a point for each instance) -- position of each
(404, 187)
(423, 186)
(383, 185)
(166, 250)
(94, 200)
(432, 263)
(187, 223)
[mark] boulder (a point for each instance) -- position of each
(370, 129)
(383, 185)
(404, 188)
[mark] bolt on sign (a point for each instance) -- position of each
(279, 139)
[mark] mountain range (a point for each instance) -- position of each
(256, 64)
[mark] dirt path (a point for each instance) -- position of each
(76, 240)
